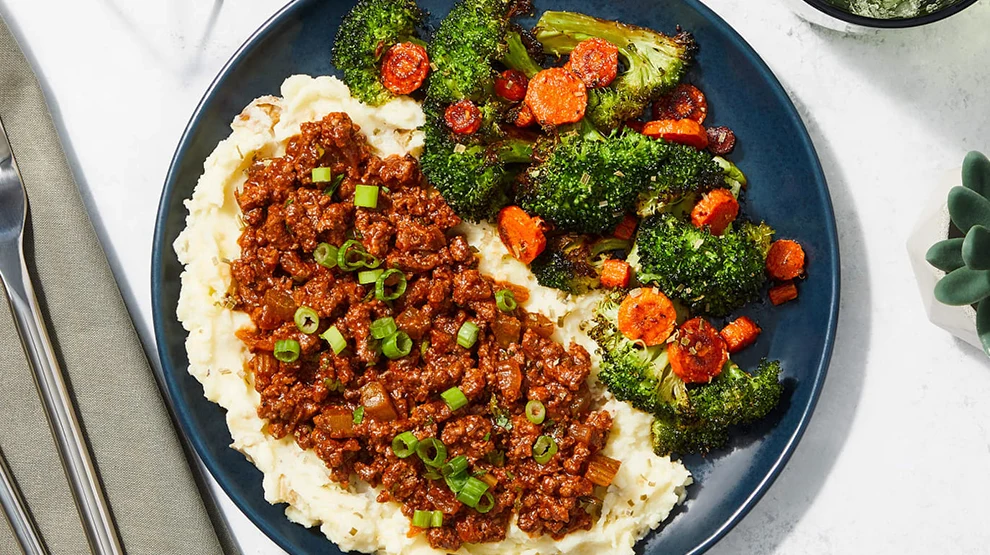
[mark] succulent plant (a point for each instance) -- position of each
(966, 260)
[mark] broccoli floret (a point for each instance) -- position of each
(365, 34)
(654, 62)
(731, 399)
(517, 56)
(711, 274)
(566, 265)
(684, 171)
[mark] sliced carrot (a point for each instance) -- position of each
(616, 273)
(511, 85)
(556, 96)
(716, 210)
(785, 260)
(740, 333)
(647, 314)
(683, 131)
(521, 233)
(405, 67)
(626, 228)
(595, 61)
(698, 352)
(782, 293)
(521, 116)
(463, 117)
(721, 140)
(684, 102)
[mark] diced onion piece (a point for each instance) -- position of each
(377, 403)
(602, 470)
(338, 421)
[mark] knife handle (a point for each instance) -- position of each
(76, 460)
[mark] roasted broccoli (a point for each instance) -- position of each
(517, 56)
(566, 265)
(732, 398)
(685, 170)
(365, 34)
(654, 62)
(711, 274)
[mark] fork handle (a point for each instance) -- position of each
(15, 509)
(76, 460)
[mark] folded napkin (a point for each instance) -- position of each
(149, 485)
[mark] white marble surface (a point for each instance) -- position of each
(897, 457)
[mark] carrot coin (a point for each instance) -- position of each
(785, 260)
(595, 61)
(556, 96)
(684, 102)
(647, 314)
(740, 333)
(511, 85)
(521, 116)
(783, 293)
(463, 117)
(521, 233)
(716, 210)
(698, 353)
(721, 140)
(405, 67)
(682, 131)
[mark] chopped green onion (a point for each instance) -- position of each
(335, 339)
(438, 449)
(487, 437)
(404, 444)
(544, 449)
(486, 503)
(467, 335)
(400, 285)
(351, 256)
(432, 474)
(506, 300)
(535, 412)
(437, 519)
(397, 345)
(472, 491)
(607, 245)
(307, 320)
(383, 327)
(454, 398)
(334, 185)
(326, 255)
(322, 175)
(456, 481)
(366, 196)
(368, 276)
(287, 350)
(359, 415)
(454, 466)
(422, 519)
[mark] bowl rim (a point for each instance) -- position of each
(905, 23)
(184, 417)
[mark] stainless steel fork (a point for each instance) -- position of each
(76, 460)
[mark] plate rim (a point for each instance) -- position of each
(159, 243)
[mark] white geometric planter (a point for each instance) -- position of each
(932, 227)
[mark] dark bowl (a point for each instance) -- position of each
(903, 23)
(787, 189)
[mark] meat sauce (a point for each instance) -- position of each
(286, 216)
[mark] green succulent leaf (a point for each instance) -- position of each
(976, 173)
(967, 208)
(983, 324)
(976, 248)
(963, 287)
(946, 255)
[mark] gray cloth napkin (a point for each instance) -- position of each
(150, 488)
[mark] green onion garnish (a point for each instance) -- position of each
(404, 444)
(322, 175)
(506, 300)
(307, 320)
(326, 255)
(432, 451)
(334, 185)
(400, 285)
(486, 503)
(422, 519)
(535, 412)
(454, 398)
(383, 327)
(467, 335)
(454, 466)
(472, 491)
(359, 415)
(366, 196)
(335, 339)
(368, 276)
(351, 256)
(456, 481)
(437, 520)
(287, 350)
(544, 449)
(397, 345)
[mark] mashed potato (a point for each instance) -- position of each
(647, 486)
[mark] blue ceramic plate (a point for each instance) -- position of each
(787, 189)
